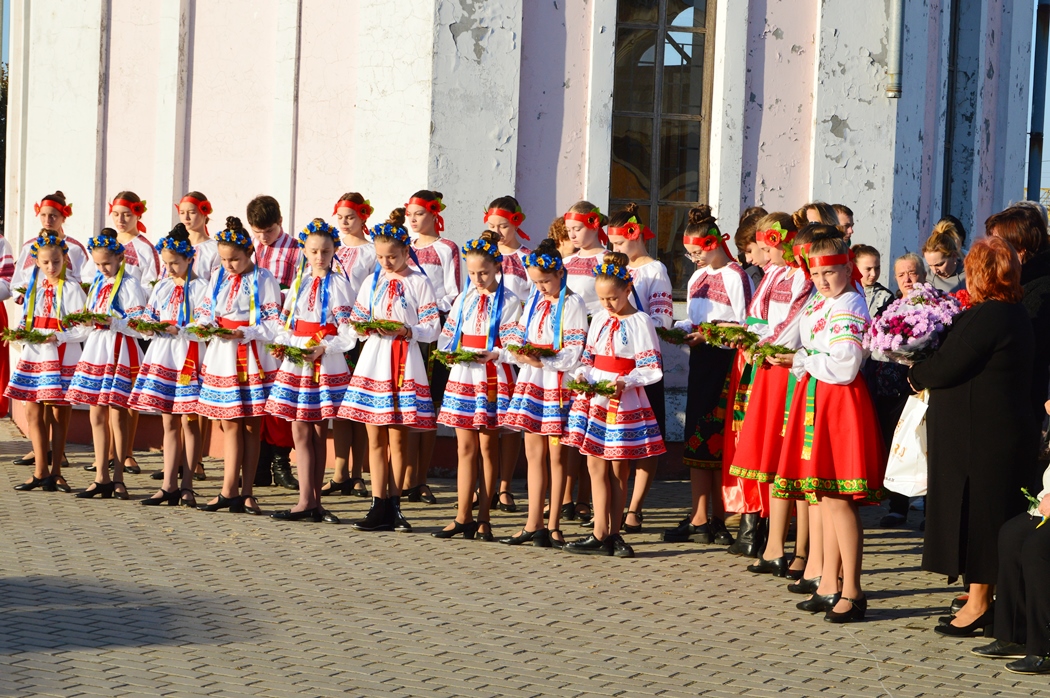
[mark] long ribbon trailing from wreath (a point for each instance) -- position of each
(111, 302)
(558, 329)
(184, 318)
(31, 298)
(253, 317)
(399, 353)
(317, 337)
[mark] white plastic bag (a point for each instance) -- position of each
(906, 471)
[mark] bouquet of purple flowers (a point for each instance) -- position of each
(910, 328)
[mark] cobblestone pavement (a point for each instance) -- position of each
(110, 598)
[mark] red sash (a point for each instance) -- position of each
(619, 366)
(242, 351)
(50, 323)
(477, 341)
(316, 332)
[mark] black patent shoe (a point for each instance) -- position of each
(156, 475)
(376, 518)
(90, 467)
(542, 539)
(522, 537)
(469, 530)
(169, 498)
(509, 507)
(590, 546)
(485, 535)
(685, 531)
(620, 547)
(557, 542)
(818, 603)
(1031, 664)
(134, 468)
(232, 503)
(857, 609)
(346, 487)
(120, 490)
(104, 490)
(796, 574)
(627, 528)
(322, 515)
(361, 491)
(25, 460)
(981, 626)
(777, 566)
(568, 511)
(397, 519)
(721, 534)
(585, 518)
(41, 482)
(1001, 650)
(957, 603)
(425, 494)
(412, 494)
(289, 515)
(804, 586)
(188, 498)
(62, 486)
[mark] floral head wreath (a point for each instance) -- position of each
(434, 208)
(319, 227)
(136, 207)
(485, 247)
(363, 210)
(386, 230)
(65, 210)
(203, 205)
(516, 218)
(614, 270)
(48, 239)
(237, 238)
(711, 240)
(105, 242)
(181, 247)
(632, 230)
(545, 262)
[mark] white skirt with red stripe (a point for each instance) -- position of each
(389, 386)
(44, 372)
(540, 403)
(169, 380)
(309, 393)
(477, 396)
(235, 379)
(107, 370)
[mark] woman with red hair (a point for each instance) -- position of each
(982, 435)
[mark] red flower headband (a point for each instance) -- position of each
(363, 210)
(591, 221)
(65, 210)
(516, 218)
(834, 260)
(632, 230)
(434, 208)
(713, 240)
(203, 205)
(137, 207)
(775, 236)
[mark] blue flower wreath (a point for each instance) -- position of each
(319, 227)
(614, 270)
(180, 247)
(545, 262)
(485, 247)
(236, 238)
(386, 230)
(48, 239)
(105, 242)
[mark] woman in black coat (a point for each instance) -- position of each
(981, 433)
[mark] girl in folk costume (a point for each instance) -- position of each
(308, 392)
(193, 210)
(438, 259)
(110, 363)
(758, 450)
(832, 450)
(7, 271)
(389, 390)
(44, 370)
(52, 212)
(237, 371)
(622, 349)
(482, 320)
(356, 257)
(169, 380)
(504, 216)
(720, 292)
(554, 318)
(141, 259)
(650, 293)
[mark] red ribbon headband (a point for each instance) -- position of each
(516, 218)
(632, 231)
(363, 210)
(709, 242)
(434, 208)
(591, 221)
(829, 260)
(203, 205)
(137, 207)
(65, 210)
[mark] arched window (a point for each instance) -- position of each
(662, 119)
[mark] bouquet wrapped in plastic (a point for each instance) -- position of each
(910, 329)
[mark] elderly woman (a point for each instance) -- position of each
(981, 433)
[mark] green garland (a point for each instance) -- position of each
(1033, 502)
(373, 325)
(761, 352)
(531, 350)
(672, 336)
(86, 286)
(294, 354)
(147, 326)
(20, 291)
(459, 356)
(726, 336)
(603, 388)
(208, 332)
(84, 318)
(25, 336)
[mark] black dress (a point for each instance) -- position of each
(1035, 280)
(981, 435)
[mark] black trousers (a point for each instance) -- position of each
(1022, 603)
